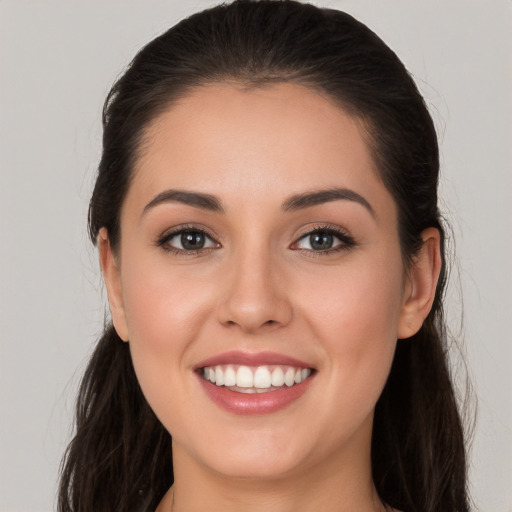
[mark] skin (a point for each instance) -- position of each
(260, 286)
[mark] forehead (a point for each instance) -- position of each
(283, 138)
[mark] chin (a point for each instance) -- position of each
(254, 455)
(258, 467)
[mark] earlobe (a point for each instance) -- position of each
(421, 284)
(111, 276)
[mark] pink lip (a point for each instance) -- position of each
(255, 403)
(255, 359)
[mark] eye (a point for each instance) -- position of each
(187, 240)
(324, 240)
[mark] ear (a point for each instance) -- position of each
(421, 283)
(112, 278)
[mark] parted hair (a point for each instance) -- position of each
(120, 458)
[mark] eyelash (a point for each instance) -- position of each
(164, 239)
(347, 241)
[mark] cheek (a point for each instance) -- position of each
(356, 318)
(356, 300)
(161, 305)
(165, 310)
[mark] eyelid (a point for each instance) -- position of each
(347, 241)
(169, 234)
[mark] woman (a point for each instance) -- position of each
(266, 217)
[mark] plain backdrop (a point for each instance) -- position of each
(58, 59)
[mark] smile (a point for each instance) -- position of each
(259, 379)
(258, 383)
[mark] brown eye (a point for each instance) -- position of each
(187, 240)
(321, 241)
(192, 240)
(324, 240)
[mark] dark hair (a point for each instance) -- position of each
(418, 455)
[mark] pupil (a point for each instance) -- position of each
(192, 240)
(321, 241)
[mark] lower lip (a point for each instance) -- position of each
(254, 403)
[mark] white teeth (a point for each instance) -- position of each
(219, 376)
(289, 377)
(277, 377)
(244, 377)
(259, 379)
(262, 378)
(229, 376)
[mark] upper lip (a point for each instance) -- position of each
(252, 359)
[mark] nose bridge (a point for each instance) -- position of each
(255, 296)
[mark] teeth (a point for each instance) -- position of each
(229, 376)
(289, 377)
(277, 377)
(219, 376)
(244, 377)
(262, 378)
(255, 380)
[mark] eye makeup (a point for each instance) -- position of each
(324, 240)
(192, 240)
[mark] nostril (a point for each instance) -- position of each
(254, 326)
(250, 309)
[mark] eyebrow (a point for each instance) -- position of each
(294, 203)
(309, 199)
(197, 199)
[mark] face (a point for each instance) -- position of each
(258, 248)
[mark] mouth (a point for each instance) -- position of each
(244, 383)
(255, 379)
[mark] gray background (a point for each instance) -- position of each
(57, 61)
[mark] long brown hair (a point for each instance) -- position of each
(120, 458)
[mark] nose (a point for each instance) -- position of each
(255, 296)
